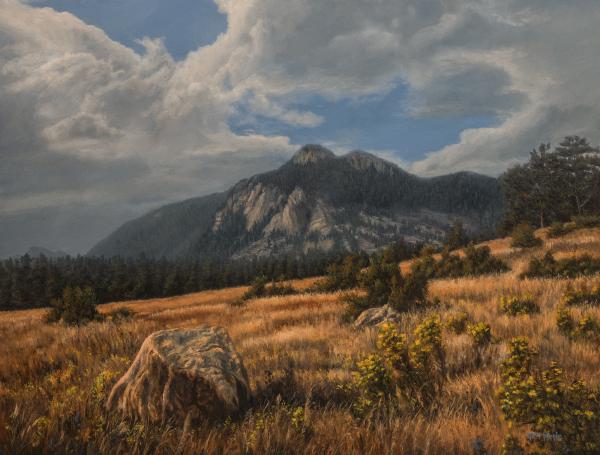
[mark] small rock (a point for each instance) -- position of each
(374, 317)
(181, 375)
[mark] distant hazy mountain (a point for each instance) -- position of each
(315, 202)
(35, 251)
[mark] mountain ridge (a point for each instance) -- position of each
(316, 202)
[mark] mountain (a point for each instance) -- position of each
(316, 202)
(170, 231)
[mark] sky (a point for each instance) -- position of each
(110, 108)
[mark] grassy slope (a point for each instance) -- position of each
(52, 371)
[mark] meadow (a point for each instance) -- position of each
(54, 379)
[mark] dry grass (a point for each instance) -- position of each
(296, 351)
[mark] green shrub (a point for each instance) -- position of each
(586, 329)
(565, 322)
(572, 267)
(341, 276)
(476, 261)
(413, 373)
(76, 307)
(558, 229)
(586, 221)
(566, 415)
(458, 322)
(259, 288)
(354, 304)
(523, 236)
(583, 295)
(384, 284)
(516, 306)
(480, 333)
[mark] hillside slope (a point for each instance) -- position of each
(297, 352)
(317, 202)
(169, 231)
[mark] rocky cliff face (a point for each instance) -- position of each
(321, 202)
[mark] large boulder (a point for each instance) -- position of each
(374, 317)
(180, 375)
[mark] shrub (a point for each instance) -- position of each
(480, 333)
(567, 415)
(584, 295)
(76, 307)
(549, 267)
(476, 261)
(341, 276)
(558, 229)
(516, 306)
(565, 322)
(384, 284)
(458, 322)
(259, 288)
(586, 221)
(523, 236)
(355, 304)
(587, 328)
(411, 372)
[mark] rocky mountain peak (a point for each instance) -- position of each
(362, 160)
(312, 153)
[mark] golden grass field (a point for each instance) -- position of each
(54, 379)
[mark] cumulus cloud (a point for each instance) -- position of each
(87, 121)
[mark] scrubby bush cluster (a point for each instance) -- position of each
(476, 261)
(523, 236)
(587, 328)
(261, 288)
(77, 306)
(572, 267)
(409, 371)
(342, 276)
(586, 221)
(559, 229)
(346, 275)
(518, 305)
(564, 416)
(582, 295)
(480, 333)
(458, 322)
(384, 284)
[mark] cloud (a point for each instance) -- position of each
(86, 121)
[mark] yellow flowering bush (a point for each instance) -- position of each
(564, 416)
(517, 306)
(587, 328)
(480, 333)
(411, 372)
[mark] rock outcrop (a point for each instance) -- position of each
(374, 317)
(179, 375)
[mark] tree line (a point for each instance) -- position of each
(554, 185)
(33, 282)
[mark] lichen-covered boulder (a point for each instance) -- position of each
(374, 317)
(191, 374)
